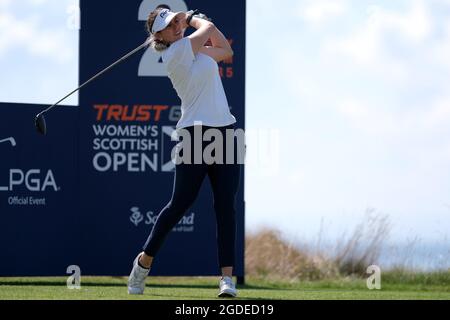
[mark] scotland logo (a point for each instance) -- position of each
(136, 217)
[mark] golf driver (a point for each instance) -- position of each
(39, 120)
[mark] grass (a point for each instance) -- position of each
(199, 288)
(275, 269)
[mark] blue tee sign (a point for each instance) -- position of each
(88, 193)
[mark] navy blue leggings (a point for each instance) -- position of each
(188, 179)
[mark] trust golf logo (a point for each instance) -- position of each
(186, 224)
(125, 141)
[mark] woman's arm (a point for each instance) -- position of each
(204, 31)
(220, 49)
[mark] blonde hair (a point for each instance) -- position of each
(158, 45)
(155, 44)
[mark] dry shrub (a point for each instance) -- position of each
(268, 255)
(363, 247)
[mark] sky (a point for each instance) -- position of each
(38, 50)
(349, 102)
(360, 96)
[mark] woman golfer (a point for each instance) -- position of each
(192, 68)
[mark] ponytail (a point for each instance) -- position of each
(158, 45)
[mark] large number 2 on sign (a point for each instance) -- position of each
(150, 65)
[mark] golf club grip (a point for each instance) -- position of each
(99, 74)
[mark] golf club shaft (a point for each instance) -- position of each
(99, 74)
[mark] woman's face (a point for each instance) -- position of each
(173, 32)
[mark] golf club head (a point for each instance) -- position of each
(39, 122)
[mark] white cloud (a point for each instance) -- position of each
(37, 52)
(363, 46)
(319, 11)
(390, 75)
(440, 52)
(439, 114)
(368, 45)
(29, 34)
(367, 118)
(5, 3)
(37, 3)
(443, 2)
(420, 121)
(415, 24)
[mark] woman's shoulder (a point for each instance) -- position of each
(177, 49)
(180, 44)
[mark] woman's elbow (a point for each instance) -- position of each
(230, 53)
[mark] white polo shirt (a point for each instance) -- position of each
(197, 82)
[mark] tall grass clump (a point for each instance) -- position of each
(268, 254)
(362, 248)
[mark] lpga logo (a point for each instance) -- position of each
(33, 179)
